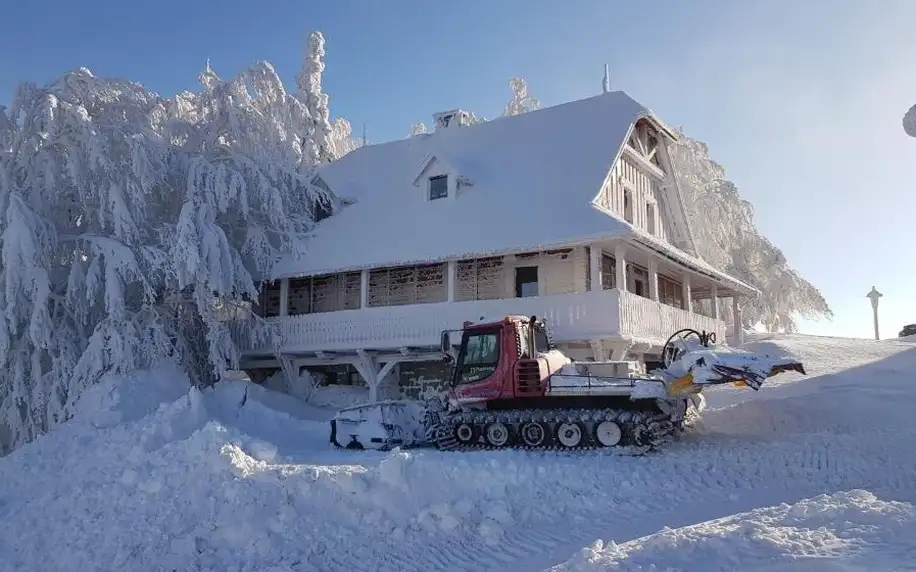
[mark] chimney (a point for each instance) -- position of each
(451, 119)
(606, 84)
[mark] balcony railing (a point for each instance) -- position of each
(645, 319)
(571, 317)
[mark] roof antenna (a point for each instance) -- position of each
(365, 141)
(606, 84)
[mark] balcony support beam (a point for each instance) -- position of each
(373, 372)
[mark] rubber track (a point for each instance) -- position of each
(634, 426)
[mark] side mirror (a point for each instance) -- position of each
(445, 343)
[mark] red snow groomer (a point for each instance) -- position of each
(511, 387)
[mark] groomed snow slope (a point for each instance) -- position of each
(151, 477)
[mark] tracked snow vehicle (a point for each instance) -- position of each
(511, 387)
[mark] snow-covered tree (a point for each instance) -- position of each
(521, 101)
(129, 223)
(342, 140)
(726, 237)
(417, 129)
(316, 101)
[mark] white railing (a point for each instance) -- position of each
(571, 317)
(648, 320)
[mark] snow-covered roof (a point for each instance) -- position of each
(533, 178)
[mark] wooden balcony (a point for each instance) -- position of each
(607, 314)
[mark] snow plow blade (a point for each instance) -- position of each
(738, 368)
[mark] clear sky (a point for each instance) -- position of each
(800, 100)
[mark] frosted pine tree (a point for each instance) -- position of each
(315, 100)
(521, 101)
(726, 237)
(129, 224)
(342, 140)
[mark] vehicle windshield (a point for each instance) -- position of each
(479, 356)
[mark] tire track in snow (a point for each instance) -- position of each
(711, 478)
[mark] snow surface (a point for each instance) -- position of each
(809, 473)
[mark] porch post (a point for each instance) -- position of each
(714, 301)
(620, 254)
(736, 312)
(594, 261)
(451, 278)
(687, 293)
(284, 297)
(364, 289)
(653, 279)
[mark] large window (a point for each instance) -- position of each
(526, 281)
(480, 357)
(670, 292)
(438, 187)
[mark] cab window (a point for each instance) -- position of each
(480, 358)
(541, 344)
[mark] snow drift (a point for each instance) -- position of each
(151, 476)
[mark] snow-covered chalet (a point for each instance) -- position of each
(571, 212)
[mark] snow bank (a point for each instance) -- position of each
(844, 532)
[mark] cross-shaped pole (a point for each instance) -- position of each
(874, 295)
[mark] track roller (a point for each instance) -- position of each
(608, 434)
(496, 434)
(533, 434)
(570, 434)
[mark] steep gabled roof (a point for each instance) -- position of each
(534, 177)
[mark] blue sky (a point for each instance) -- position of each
(800, 101)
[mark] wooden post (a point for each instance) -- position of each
(714, 301)
(451, 272)
(284, 297)
(653, 279)
(736, 311)
(620, 254)
(364, 289)
(687, 293)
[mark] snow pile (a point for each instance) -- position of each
(844, 532)
(150, 476)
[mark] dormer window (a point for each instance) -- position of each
(321, 209)
(438, 187)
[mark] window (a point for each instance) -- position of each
(269, 300)
(650, 218)
(638, 277)
(438, 187)
(480, 356)
(321, 209)
(670, 292)
(608, 272)
(526, 281)
(627, 206)
(541, 344)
